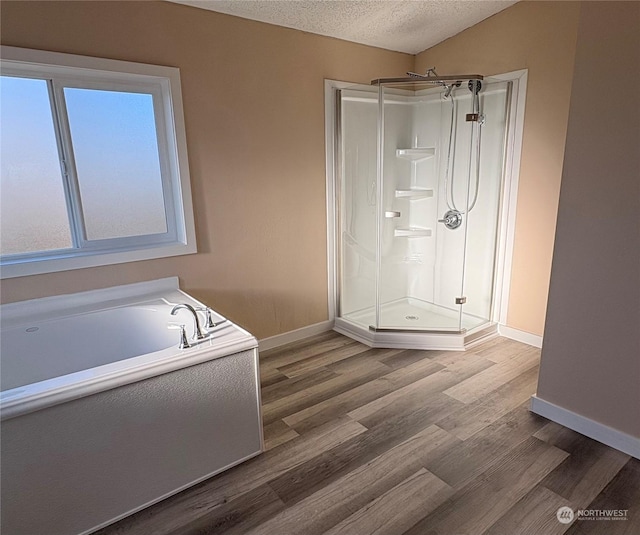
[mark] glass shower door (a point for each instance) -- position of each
(484, 210)
(427, 152)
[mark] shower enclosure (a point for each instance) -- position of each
(419, 175)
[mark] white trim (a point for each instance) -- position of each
(401, 339)
(163, 83)
(89, 259)
(509, 203)
(520, 336)
(68, 63)
(586, 426)
(293, 336)
(329, 127)
(416, 340)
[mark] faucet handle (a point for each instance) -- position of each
(208, 322)
(184, 341)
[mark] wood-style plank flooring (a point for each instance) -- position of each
(367, 441)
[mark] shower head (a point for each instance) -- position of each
(432, 76)
(431, 73)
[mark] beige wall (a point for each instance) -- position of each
(540, 37)
(591, 356)
(253, 98)
(254, 113)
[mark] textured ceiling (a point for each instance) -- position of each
(404, 25)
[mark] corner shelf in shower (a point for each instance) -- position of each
(414, 193)
(417, 154)
(412, 232)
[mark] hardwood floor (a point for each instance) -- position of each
(367, 441)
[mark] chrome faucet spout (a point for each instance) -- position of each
(197, 331)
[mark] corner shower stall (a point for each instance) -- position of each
(419, 167)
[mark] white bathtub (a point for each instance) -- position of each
(103, 414)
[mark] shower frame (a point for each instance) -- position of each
(424, 339)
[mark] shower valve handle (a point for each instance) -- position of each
(451, 219)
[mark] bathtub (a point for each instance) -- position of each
(103, 414)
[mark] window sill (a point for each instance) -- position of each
(80, 260)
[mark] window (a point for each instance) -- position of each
(93, 164)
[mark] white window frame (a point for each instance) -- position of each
(163, 83)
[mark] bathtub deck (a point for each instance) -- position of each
(364, 441)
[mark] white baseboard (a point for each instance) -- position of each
(293, 336)
(607, 435)
(520, 336)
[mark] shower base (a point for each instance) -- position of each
(414, 324)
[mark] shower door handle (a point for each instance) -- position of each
(391, 215)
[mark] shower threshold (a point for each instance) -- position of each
(415, 324)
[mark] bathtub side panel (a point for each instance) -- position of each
(76, 466)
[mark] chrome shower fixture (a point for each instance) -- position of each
(431, 73)
(452, 219)
(450, 83)
(450, 88)
(474, 86)
(432, 76)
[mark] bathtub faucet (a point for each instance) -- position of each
(197, 331)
